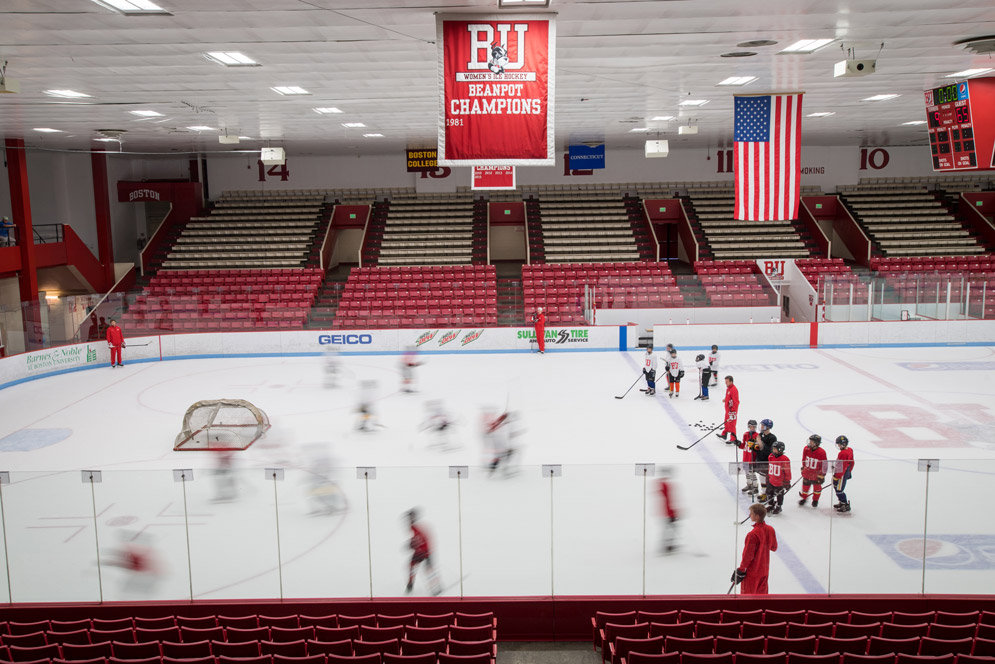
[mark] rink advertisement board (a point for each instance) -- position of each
(496, 89)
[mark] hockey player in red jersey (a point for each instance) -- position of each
(731, 402)
(421, 552)
(539, 319)
(748, 444)
(670, 514)
(115, 341)
(754, 566)
(841, 472)
(813, 470)
(778, 478)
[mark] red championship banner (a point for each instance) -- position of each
(496, 90)
(493, 177)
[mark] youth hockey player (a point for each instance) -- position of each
(539, 319)
(704, 376)
(713, 362)
(731, 403)
(409, 360)
(421, 552)
(440, 424)
(649, 371)
(115, 341)
(500, 434)
(755, 565)
(841, 472)
(675, 371)
(333, 367)
(813, 470)
(367, 417)
(762, 449)
(670, 514)
(778, 478)
(749, 442)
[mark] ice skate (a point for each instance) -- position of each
(704, 398)
(721, 435)
(815, 502)
(845, 507)
(746, 489)
(776, 509)
(802, 501)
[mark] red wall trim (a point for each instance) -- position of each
(20, 208)
(102, 209)
(813, 334)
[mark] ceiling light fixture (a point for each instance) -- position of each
(132, 7)
(639, 129)
(884, 97)
(326, 110)
(968, 73)
(693, 102)
(737, 80)
(201, 128)
(231, 58)
(913, 123)
(67, 94)
(106, 140)
(806, 46)
(511, 4)
(373, 135)
(662, 118)
(48, 130)
(353, 125)
(147, 114)
(821, 114)
(289, 90)
(246, 138)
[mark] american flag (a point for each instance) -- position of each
(767, 157)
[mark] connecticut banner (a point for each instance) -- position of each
(496, 91)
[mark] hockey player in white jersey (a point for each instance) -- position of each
(675, 371)
(440, 425)
(649, 371)
(704, 376)
(713, 363)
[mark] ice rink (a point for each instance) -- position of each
(593, 528)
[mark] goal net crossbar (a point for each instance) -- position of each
(221, 424)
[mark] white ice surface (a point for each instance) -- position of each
(581, 533)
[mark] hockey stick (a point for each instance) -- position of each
(731, 587)
(710, 431)
(638, 378)
(138, 345)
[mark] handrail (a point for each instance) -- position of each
(324, 240)
(528, 242)
(687, 220)
(76, 332)
(815, 224)
(646, 216)
(39, 239)
(154, 239)
(366, 225)
(840, 206)
(488, 204)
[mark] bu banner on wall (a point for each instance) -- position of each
(493, 177)
(496, 90)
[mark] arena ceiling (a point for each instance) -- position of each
(620, 63)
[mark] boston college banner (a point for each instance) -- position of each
(496, 90)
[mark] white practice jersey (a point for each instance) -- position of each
(713, 361)
(649, 363)
(702, 364)
(675, 366)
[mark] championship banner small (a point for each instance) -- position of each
(493, 177)
(496, 90)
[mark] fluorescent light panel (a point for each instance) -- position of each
(885, 97)
(147, 114)
(201, 128)
(638, 129)
(326, 110)
(968, 73)
(132, 6)
(662, 118)
(523, 3)
(693, 102)
(353, 125)
(914, 122)
(289, 90)
(737, 80)
(66, 94)
(820, 114)
(373, 135)
(806, 46)
(231, 58)
(106, 140)
(48, 130)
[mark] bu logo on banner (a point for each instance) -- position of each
(482, 38)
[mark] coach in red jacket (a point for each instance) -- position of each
(755, 565)
(115, 341)
(732, 408)
(540, 324)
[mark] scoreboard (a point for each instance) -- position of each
(961, 123)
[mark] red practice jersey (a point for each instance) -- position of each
(760, 541)
(667, 499)
(813, 463)
(115, 336)
(732, 400)
(844, 463)
(419, 542)
(749, 438)
(779, 470)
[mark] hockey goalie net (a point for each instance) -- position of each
(221, 424)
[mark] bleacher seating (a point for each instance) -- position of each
(256, 639)
(831, 638)
(223, 300)
(559, 289)
(428, 231)
(825, 272)
(734, 284)
(925, 279)
(585, 226)
(729, 238)
(908, 220)
(429, 296)
(250, 230)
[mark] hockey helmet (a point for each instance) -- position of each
(649, 348)
(778, 448)
(714, 348)
(699, 358)
(766, 424)
(751, 423)
(673, 352)
(842, 441)
(814, 440)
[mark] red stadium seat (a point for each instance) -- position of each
(197, 622)
(801, 646)
(684, 630)
(318, 621)
(703, 646)
(422, 647)
(282, 622)
(917, 659)
(844, 631)
(394, 620)
(662, 658)
(233, 650)
(76, 652)
(144, 650)
(818, 629)
(853, 646)
(190, 650)
(882, 646)
(772, 658)
(754, 646)
(623, 646)
(188, 634)
(773, 616)
(779, 629)
(850, 658)
(902, 631)
(79, 637)
(285, 648)
(427, 658)
(361, 647)
(937, 647)
(727, 629)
